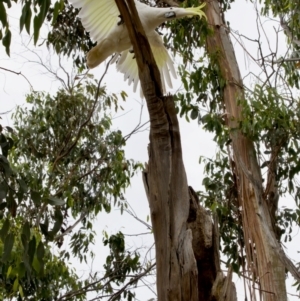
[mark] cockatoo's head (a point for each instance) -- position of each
(153, 17)
(179, 12)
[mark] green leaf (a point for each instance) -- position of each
(58, 6)
(21, 291)
(31, 250)
(24, 241)
(124, 95)
(44, 9)
(3, 159)
(3, 205)
(26, 230)
(23, 16)
(58, 217)
(6, 41)
(36, 197)
(40, 252)
(26, 17)
(39, 19)
(9, 129)
(21, 269)
(26, 263)
(16, 285)
(5, 165)
(28, 21)
(23, 185)
(194, 114)
(2, 138)
(3, 17)
(36, 28)
(185, 83)
(55, 201)
(8, 271)
(4, 229)
(44, 228)
(11, 203)
(8, 245)
(8, 145)
(36, 265)
(3, 190)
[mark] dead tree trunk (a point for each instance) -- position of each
(167, 187)
(179, 260)
(265, 257)
(212, 284)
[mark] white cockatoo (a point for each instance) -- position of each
(101, 18)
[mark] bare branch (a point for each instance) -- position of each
(284, 60)
(67, 151)
(18, 73)
(138, 219)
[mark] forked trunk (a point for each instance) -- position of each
(175, 212)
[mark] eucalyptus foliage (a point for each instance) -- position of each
(60, 166)
(34, 13)
(270, 119)
(62, 161)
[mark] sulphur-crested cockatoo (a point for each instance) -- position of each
(101, 18)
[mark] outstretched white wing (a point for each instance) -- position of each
(98, 17)
(128, 66)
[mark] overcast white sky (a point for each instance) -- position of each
(195, 142)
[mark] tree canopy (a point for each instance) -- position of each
(62, 164)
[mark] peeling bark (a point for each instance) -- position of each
(223, 289)
(169, 206)
(265, 257)
(212, 284)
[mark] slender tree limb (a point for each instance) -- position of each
(89, 287)
(138, 219)
(18, 73)
(63, 153)
(283, 60)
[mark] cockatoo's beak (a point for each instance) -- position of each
(181, 12)
(196, 11)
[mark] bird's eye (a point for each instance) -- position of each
(170, 15)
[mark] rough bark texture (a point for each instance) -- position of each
(212, 284)
(169, 205)
(175, 213)
(265, 257)
(166, 179)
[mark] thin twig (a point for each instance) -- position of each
(138, 219)
(18, 73)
